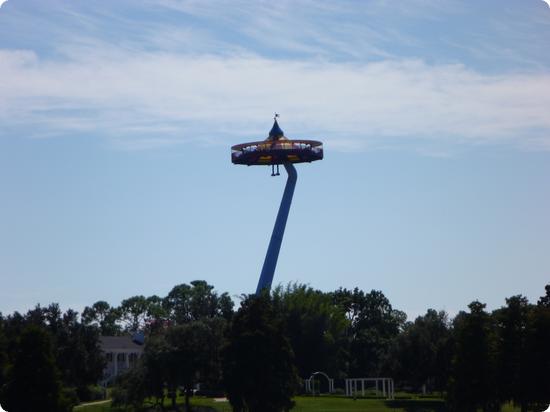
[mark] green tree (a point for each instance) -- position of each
(78, 353)
(102, 315)
(52, 318)
(33, 381)
(544, 301)
(157, 315)
(374, 326)
(76, 349)
(422, 352)
(472, 383)
(131, 388)
(133, 313)
(259, 373)
(180, 357)
(186, 303)
(3, 352)
(193, 351)
(156, 362)
(315, 327)
(511, 333)
(537, 355)
(36, 316)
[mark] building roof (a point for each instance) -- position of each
(111, 343)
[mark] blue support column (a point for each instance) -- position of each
(270, 262)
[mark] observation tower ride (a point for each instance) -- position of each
(275, 150)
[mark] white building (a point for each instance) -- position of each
(121, 353)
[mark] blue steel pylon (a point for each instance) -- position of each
(270, 262)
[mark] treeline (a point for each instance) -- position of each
(183, 304)
(49, 360)
(260, 353)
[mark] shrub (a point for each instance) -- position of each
(68, 398)
(119, 396)
(91, 393)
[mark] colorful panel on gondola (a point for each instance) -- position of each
(276, 149)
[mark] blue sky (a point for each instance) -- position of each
(116, 120)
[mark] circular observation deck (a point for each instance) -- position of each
(276, 149)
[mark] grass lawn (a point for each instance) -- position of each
(102, 406)
(318, 404)
(337, 404)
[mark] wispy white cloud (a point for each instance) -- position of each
(432, 30)
(357, 75)
(143, 99)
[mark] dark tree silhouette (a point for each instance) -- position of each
(537, 355)
(133, 313)
(33, 381)
(102, 315)
(544, 301)
(472, 384)
(186, 303)
(78, 354)
(3, 354)
(258, 365)
(316, 328)
(131, 389)
(374, 326)
(421, 352)
(511, 333)
(192, 351)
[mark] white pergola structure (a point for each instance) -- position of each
(354, 386)
(309, 382)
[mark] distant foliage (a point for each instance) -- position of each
(33, 381)
(3, 357)
(177, 359)
(185, 334)
(473, 383)
(258, 362)
(421, 354)
(316, 327)
(183, 304)
(186, 303)
(536, 356)
(77, 358)
(102, 316)
(374, 325)
(480, 360)
(130, 390)
(501, 357)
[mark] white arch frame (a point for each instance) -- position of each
(388, 389)
(308, 382)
